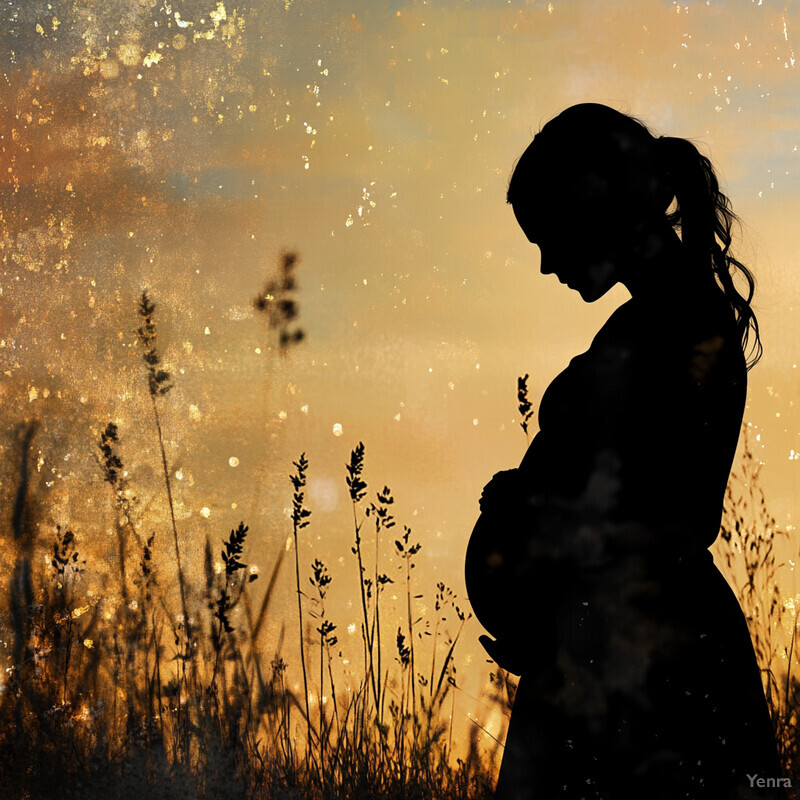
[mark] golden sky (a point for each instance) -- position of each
(181, 146)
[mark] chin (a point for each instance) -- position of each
(590, 294)
(598, 279)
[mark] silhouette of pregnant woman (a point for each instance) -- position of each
(589, 564)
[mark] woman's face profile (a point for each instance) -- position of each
(582, 255)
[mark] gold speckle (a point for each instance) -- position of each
(218, 15)
(129, 53)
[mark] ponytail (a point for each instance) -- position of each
(705, 218)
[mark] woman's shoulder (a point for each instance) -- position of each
(643, 349)
(692, 338)
(670, 320)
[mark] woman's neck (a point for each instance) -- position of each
(661, 269)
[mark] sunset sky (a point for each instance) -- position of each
(182, 146)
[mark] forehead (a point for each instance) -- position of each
(527, 221)
(540, 220)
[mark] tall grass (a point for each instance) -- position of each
(159, 383)
(111, 693)
(747, 552)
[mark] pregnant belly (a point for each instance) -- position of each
(490, 574)
(513, 571)
(548, 574)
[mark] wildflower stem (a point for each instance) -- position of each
(303, 653)
(368, 655)
(377, 625)
(411, 648)
(299, 515)
(181, 582)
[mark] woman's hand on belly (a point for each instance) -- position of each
(507, 486)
